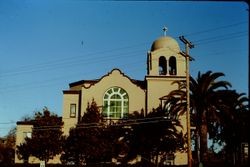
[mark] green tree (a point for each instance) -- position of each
(89, 142)
(47, 137)
(24, 152)
(152, 137)
(95, 141)
(232, 130)
(205, 104)
(7, 149)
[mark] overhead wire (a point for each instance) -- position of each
(67, 61)
(103, 59)
(48, 82)
(77, 57)
(127, 122)
(70, 62)
(7, 122)
(55, 64)
(221, 37)
(217, 28)
(123, 122)
(43, 67)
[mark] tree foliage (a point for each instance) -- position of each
(232, 130)
(88, 142)
(95, 140)
(47, 137)
(7, 149)
(152, 137)
(208, 104)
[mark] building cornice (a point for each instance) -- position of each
(30, 122)
(82, 82)
(165, 76)
(71, 92)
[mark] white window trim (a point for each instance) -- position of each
(109, 99)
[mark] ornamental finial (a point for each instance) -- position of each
(165, 29)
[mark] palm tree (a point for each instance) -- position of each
(152, 137)
(205, 97)
(233, 127)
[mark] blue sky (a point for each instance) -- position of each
(45, 45)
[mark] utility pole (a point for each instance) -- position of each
(188, 45)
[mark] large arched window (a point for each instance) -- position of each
(115, 103)
(162, 66)
(172, 66)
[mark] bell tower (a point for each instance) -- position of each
(165, 64)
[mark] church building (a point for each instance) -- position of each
(119, 95)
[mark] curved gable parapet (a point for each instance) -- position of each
(138, 83)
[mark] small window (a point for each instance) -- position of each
(72, 110)
(27, 134)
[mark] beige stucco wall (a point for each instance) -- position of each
(68, 121)
(159, 87)
(114, 78)
(21, 130)
(55, 160)
(180, 158)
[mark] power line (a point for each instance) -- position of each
(222, 37)
(131, 121)
(89, 124)
(75, 60)
(48, 82)
(104, 59)
(217, 28)
(127, 122)
(72, 60)
(70, 63)
(7, 123)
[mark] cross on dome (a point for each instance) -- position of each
(165, 29)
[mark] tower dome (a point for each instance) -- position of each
(165, 42)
